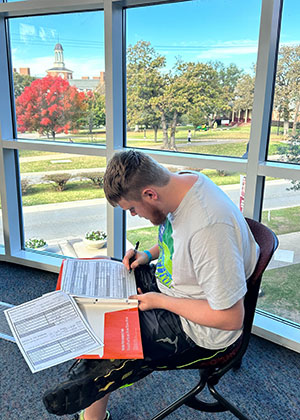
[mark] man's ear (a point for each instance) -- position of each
(149, 194)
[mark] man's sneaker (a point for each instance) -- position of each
(80, 416)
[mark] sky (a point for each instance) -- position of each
(198, 30)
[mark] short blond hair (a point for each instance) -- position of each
(128, 173)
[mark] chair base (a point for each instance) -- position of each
(190, 399)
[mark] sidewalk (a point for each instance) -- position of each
(288, 251)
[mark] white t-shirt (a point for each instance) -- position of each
(207, 251)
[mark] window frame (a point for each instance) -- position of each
(256, 167)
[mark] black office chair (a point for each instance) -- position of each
(212, 373)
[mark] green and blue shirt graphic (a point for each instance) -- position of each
(166, 250)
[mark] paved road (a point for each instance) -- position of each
(276, 195)
(70, 219)
(60, 221)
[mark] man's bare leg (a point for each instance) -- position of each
(97, 411)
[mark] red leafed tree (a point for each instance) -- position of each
(50, 106)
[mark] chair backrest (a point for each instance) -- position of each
(268, 242)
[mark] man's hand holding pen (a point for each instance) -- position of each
(133, 258)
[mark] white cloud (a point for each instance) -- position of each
(227, 52)
(42, 33)
(290, 43)
(38, 66)
(85, 67)
(26, 31)
(222, 49)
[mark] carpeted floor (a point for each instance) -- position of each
(265, 388)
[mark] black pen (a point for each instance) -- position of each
(133, 257)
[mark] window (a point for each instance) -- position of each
(281, 283)
(63, 200)
(192, 90)
(59, 78)
(219, 45)
(284, 137)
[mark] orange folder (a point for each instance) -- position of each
(117, 325)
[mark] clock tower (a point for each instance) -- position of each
(59, 68)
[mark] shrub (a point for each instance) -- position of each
(221, 172)
(95, 177)
(25, 184)
(35, 243)
(96, 235)
(291, 153)
(59, 180)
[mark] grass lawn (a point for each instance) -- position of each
(241, 132)
(31, 153)
(77, 162)
(75, 191)
(283, 220)
(230, 178)
(282, 292)
(147, 236)
(226, 149)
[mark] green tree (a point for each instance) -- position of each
(229, 77)
(197, 117)
(172, 103)
(205, 93)
(95, 111)
(291, 153)
(144, 82)
(154, 97)
(20, 82)
(244, 94)
(287, 87)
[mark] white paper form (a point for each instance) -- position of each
(50, 330)
(103, 278)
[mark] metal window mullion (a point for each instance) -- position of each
(280, 170)
(113, 24)
(56, 147)
(198, 161)
(262, 105)
(37, 7)
(34, 7)
(9, 165)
